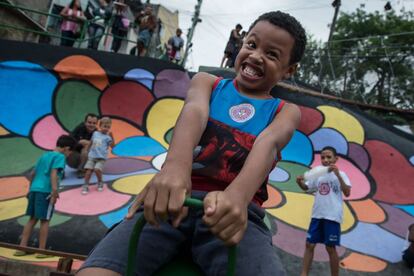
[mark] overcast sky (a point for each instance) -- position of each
(219, 17)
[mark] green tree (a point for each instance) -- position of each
(370, 59)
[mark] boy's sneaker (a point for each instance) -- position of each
(85, 190)
(100, 186)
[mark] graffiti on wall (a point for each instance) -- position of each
(39, 103)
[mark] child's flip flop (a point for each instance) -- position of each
(20, 253)
(42, 256)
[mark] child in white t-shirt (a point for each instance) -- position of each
(327, 210)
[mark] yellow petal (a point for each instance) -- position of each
(162, 117)
(13, 208)
(132, 184)
(343, 122)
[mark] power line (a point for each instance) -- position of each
(372, 36)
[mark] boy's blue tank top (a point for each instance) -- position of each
(234, 123)
(249, 115)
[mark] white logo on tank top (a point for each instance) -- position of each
(241, 113)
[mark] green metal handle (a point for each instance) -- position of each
(139, 225)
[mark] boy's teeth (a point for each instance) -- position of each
(250, 71)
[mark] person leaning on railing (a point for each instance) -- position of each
(96, 29)
(73, 16)
(147, 24)
(120, 25)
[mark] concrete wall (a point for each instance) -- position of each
(20, 19)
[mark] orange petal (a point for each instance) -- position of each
(368, 211)
(12, 187)
(364, 263)
(275, 198)
(121, 130)
(82, 67)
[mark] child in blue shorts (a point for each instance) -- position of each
(43, 191)
(225, 143)
(327, 210)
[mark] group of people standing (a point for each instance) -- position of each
(113, 13)
(74, 18)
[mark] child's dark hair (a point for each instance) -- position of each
(332, 149)
(93, 115)
(239, 26)
(66, 141)
(292, 26)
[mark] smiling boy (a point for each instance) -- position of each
(227, 139)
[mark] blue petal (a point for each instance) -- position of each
(372, 240)
(329, 137)
(278, 175)
(299, 149)
(26, 93)
(138, 146)
(142, 76)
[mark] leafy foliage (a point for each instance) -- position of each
(369, 59)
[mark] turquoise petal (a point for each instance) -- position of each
(138, 146)
(406, 208)
(298, 150)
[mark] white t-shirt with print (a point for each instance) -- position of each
(328, 196)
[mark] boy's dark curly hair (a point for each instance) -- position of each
(66, 141)
(292, 26)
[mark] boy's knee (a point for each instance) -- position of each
(330, 249)
(310, 246)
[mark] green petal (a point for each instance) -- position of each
(17, 155)
(294, 171)
(56, 220)
(74, 100)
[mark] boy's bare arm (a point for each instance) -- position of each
(112, 144)
(345, 188)
(411, 233)
(164, 195)
(301, 182)
(54, 183)
(226, 212)
(32, 175)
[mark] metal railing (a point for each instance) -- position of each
(84, 28)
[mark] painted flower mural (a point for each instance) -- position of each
(144, 107)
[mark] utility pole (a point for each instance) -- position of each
(336, 4)
(196, 19)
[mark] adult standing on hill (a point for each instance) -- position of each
(231, 47)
